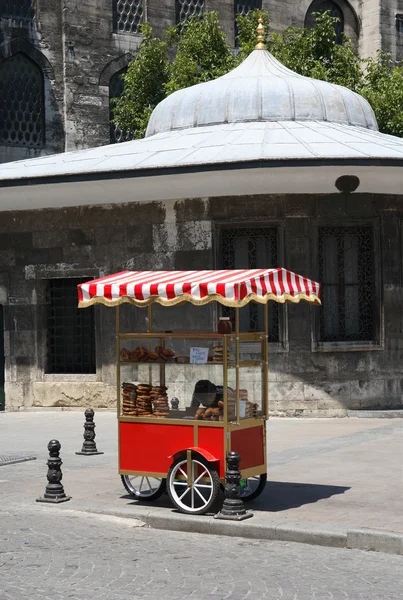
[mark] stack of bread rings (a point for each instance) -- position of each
(143, 400)
(159, 401)
(129, 399)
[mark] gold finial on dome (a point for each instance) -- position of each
(260, 35)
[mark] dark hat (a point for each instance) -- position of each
(204, 386)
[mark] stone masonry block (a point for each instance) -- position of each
(289, 391)
(192, 209)
(323, 391)
(196, 260)
(194, 235)
(83, 393)
(368, 392)
(140, 237)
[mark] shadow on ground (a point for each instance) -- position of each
(280, 495)
(277, 496)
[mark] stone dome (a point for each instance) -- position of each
(260, 89)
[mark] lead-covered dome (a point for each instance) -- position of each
(260, 89)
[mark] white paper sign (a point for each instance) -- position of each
(198, 356)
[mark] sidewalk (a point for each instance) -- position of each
(329, 480)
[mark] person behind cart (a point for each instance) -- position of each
(208, 394)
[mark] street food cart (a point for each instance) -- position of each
(216, 380)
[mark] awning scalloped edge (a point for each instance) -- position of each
(312, 299)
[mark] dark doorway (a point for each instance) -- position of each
(2, 397)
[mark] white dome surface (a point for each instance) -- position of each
(260, 89)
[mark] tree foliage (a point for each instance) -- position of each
(202, 52)
(144, 86)
(382, 86)
(196, 51)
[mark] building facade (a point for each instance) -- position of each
(322, 361)
(325, 361)
(72, 53)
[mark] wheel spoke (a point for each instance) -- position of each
(141, 484)
(184, 493)
(201, 496)
(201, 485)
(149, 485)
(200, 476)
(183, 472)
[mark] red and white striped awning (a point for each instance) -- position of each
(231, 288)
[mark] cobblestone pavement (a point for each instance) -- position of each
(49, 554)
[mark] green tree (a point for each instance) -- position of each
(200, 53)
(382, 86)
(314, 52)
(144, 86)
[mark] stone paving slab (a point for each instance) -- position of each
(330, 481)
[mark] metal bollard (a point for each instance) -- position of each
(89, 445)
(54, 492)
(233, 508)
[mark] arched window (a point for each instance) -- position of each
(188, 8)
(127, 15)
(322, 6)
(22, 114)
(20, 10)
(242, 7)
(116, 86)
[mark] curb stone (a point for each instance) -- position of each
(318, 534)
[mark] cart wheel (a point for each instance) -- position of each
(197, 493)
(144, 488)
(254, 487)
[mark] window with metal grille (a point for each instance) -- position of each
(70, 330)
(21, 103)
(243, 7)
(188, 8)
(250, 248)
(399, 22)
(347, 277)
(321, 6)
(116, 87)
(127, 15)
(20, 10)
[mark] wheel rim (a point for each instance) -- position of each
(251, 485)
(191, 493)
(143, 486)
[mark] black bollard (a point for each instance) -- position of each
(233, 508)
(89, 445)
(54, 492)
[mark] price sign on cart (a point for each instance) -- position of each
(198, 356)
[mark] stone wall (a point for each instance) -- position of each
(92, 242)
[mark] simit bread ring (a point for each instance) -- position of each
(125, 354)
